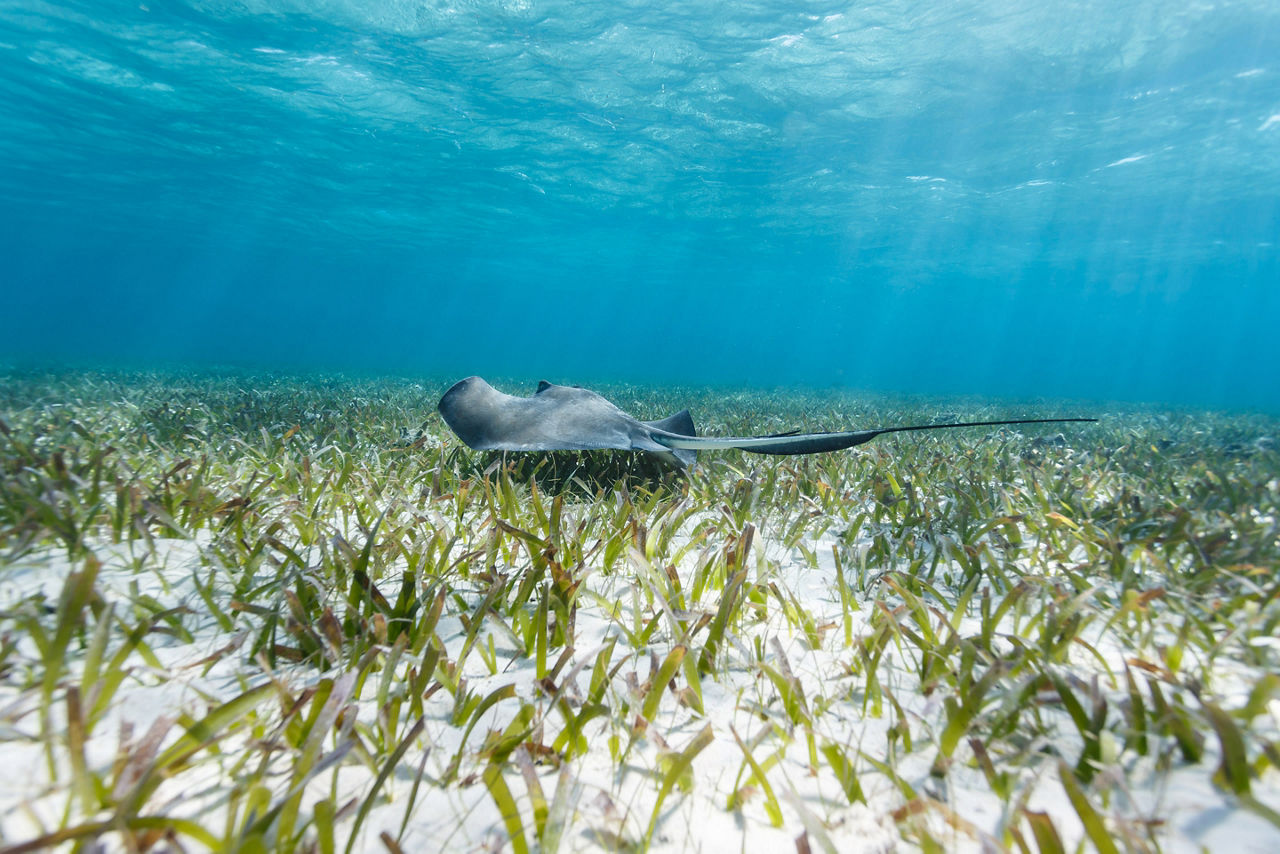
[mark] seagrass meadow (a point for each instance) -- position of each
(270, 613)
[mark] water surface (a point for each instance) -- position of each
(981, 197)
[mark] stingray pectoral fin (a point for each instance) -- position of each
(681, 424)
(679, 457)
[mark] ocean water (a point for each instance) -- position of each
(992, 197)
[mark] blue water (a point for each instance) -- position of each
(998, 197)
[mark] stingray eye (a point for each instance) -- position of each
(543, 385)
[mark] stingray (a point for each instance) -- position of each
(568, 418)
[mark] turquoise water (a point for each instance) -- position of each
(982, 197)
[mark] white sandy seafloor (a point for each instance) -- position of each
(609, 803)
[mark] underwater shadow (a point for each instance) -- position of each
(584, 474)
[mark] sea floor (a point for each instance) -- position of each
(255, 613)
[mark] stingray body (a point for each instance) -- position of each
(556, 418)
(566, 418)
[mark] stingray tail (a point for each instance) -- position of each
(985, 424)
(813, 443)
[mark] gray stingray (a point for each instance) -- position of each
(566, 418)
